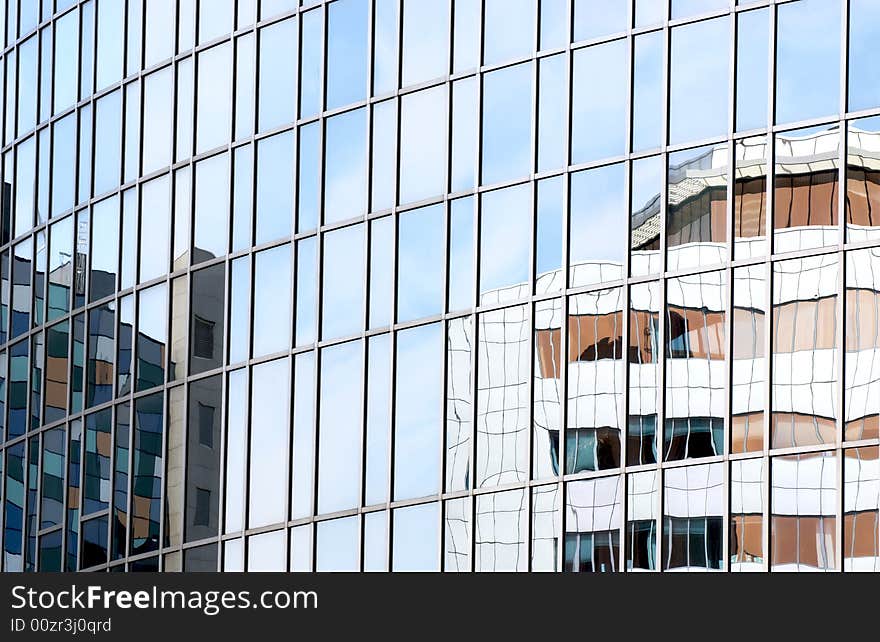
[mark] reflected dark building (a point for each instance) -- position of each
(387, 285)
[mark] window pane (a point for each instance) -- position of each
(311, 68)
(464, 134)
(507, 99)
(546, 527)
(803, 499)
(547, 382)
(466, 35)
(747, 492)
(505, 239)
(861, 508)
(207, 312)
(278, 44)
(686, 8)
(152, 336)
(864, 77)
(211, 208)
(502, 392)
(303, 456)
(752, 43)
(269, 427)
(425, 40)
(646, 178)
(698, 87)
(748, 379)
(274, 209)
(99, 373)
(807, 60)
(306, 295)
(105, 248)
(650, 12)
(509, 30)
(643, 352)
(155, 224)
(341, 414)
(215, 19)
(108, 126)
(378, 419)
(595, 381)
(501, 532)
(266, 552)
(552, 99)
(418, 412)
(159, 38)
(695, 343)
(595, 18)
(343, 282)
(236, 424)
(385, 54)
(214, 98)
(805, 388)
(597, 227)
(111, 24)
(416, 538)
(862, 338)
(384, 158)
(750, 197)
(693, 505)
(420, 263)
(805, 188)
(593, 513)
(346, 52)
(862, 181)
(696, 212)
(66, 38)
(461, 254)
(157, 120)
(345, 179)
(239, 310)
(338, 545)
(376, 541)
(548, 246)
(63, 164)
(271, 329)
(599, 119)
(423, 142)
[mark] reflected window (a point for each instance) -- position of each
(803, 498)
(804, 385)
(862, 181)
(747, 491)
(457, 535)
(748, 379)
(595, 381)
(503, 379)
(696, 214)
(459, 402)
(862, 340)
(207, 313)
(152, 337)
(750, 197)
(501, 531)
(693, 505)
(547, 388)
(861, 509)
(203, 455)
(593, 513)
(695, 366)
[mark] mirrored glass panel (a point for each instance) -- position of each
(747, 491)
(748, 378)
(861, 509)
(593, 515)
(693, 522)
(501, 531)
(862, 340)
(598, 119)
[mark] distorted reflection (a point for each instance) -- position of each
(204, 442)
(547, 388)
(805, 189)
(646, 179)
(546, 527)
(863, 180)
(643, 357)
(862, 336)
(748, 358)
(804, 351)
(695, 367)
(693, 521)
(502, 397)
(641, 521)
(747, 515)
(861, 509)
(803, 522)
(457, 540)
(595, 381)
(593, 514)
(459, 401)
(750, 198)
(501, 532)
(696, 219)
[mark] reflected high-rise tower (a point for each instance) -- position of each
(460, 285)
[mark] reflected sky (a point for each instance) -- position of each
(599, 118)
(343, 282)
(420, 263)
(505, 236)
(507, 97)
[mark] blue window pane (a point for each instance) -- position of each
(346, 52)
(271, 331)
(274, 209)
(647, 117)
(807, 60)
(552, 99)
(385, 38)
(425, 40)
(309, 182)
(66, 38)
(509, 30)
(698, 85)
(343, 285)
(416, 538)
(345, 179)
(214, 112)
(752, 63)
(461, 254)
(420, 263)
(864, 72)
(108, 127)
(595, 18)
(685, 8)
(111, 16)
(507, 123)
(311, 63)
(338, 545)
(277, 100)
(505, 238)
(423, 143)
(306, 290)
(599, 118)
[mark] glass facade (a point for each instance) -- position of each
(459, 285)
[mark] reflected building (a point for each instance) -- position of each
(386, 285)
